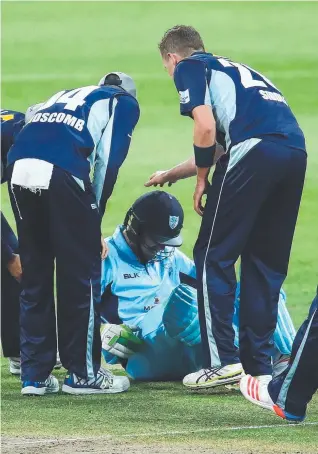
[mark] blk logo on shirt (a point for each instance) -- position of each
(131, 276)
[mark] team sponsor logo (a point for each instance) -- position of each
(173, 221)
(7, 117)
(131, 276)
(184, 96)
(148, 308)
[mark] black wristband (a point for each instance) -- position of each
(204, 156)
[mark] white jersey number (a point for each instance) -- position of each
(72, 99)
(246, 75)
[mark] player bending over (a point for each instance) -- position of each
(58, 210)
(12, 123)
(149, 299)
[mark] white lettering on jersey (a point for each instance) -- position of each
(44, 117)
(184, 96)
(52, 117)
(61, 117)
(246, 75)
(270, 96)
(79, 125)
(72, 99)
(70, 120)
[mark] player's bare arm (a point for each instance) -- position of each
(186, 169)
(181, 171)
(204, 145)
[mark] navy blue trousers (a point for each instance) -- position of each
(59, 227)
(251, 212)
(294, 388)
(10, 292)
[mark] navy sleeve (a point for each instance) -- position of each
(190, 78)
(9, 242)
(114, 145)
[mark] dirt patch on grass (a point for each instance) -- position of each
(21, 446)
(98, 445)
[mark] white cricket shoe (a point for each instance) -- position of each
(15, 365)
(214, 376)
(39, 388)
(255, 389)
(104, 383)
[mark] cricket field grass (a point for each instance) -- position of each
(50, 46)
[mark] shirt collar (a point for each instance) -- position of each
(199, 52)
(122, 245)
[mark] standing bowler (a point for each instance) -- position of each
(252, 203)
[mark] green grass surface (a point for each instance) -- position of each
(47, 47)
(150, 411)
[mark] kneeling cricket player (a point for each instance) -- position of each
(149, 300)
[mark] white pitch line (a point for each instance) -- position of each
(156, 434)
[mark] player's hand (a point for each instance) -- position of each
(200, 189)
(104, 251)
(119, 340)
(161, 177)
(15, 268)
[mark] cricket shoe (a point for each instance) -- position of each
(39, 388)
(214, 376)
(255, 389)
(104, 383)
(15, 365)
(280, 364)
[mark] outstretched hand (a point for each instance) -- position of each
(161, 177)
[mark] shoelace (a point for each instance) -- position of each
(106, 374)
(103, 378)
(208, 373)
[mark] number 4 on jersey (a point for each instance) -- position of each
(72, 99)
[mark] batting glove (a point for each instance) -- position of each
(120, 340)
